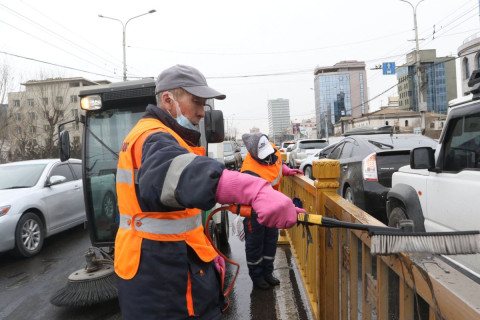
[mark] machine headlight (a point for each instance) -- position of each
(229, 158)
(93, 102)
(4, 210)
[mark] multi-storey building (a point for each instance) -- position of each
(340, 91)
(278, 119)
(36, 112)
(438, 83)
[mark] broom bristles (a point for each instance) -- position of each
(86, 293)
(447, 243)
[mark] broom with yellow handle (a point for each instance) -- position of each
(386, 240)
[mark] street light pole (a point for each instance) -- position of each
(124, 27)
(420, 105)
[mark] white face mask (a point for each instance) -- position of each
(181, 119)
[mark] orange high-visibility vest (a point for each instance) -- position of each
(272, 173)
(135, 225)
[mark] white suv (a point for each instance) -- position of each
(440, 190)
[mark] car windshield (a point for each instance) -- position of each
(20, 176)
(286, 144)
(227, 147)
(312, 144)
(243, 150)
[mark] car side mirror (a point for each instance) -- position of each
(422, 158)
(64, 144)
(53, 180)
(214, 130)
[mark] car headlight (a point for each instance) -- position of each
(229, 158)
(4, 210)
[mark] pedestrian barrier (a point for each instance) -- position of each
(344, 281)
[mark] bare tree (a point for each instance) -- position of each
(6, 81)
(37, 112)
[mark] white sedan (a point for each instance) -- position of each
(38, 198)
(306, 165)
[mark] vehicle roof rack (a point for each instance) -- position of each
(369, 130)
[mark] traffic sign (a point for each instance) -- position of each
(388, 68)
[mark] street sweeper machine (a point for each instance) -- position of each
(109, 112)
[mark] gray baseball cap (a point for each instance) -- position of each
(187, 78)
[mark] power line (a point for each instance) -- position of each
(270, 52)
(78, 35)
(58, 36)
(56, 64)
(61, 49)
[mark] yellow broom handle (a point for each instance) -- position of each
(312, 218)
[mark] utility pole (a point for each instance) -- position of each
(421, 107)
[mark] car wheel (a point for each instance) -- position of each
(348, 195)
(397, 214)
(109, 205)
(308, 172)
(29, 235)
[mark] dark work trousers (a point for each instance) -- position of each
(159, 289)
(260, 248)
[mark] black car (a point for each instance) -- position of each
(232, 156)
(367, 163)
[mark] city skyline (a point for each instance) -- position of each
(272, 56)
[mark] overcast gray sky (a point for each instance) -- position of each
(250, 50)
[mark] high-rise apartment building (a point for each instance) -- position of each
(278, 119)
(438, 83)
(340, 90)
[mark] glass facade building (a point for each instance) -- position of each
(278, 119)
(334, 100)
(438, 85)
(340, 91)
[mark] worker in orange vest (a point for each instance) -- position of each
(265, 161)
(166, 266)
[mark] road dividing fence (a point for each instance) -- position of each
(344, 281)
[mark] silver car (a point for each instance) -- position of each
(38, 198)
(303, 148)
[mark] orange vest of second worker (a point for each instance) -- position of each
(272, 173)
(135, 225)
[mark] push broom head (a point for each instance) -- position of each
(387, 240)
(458, 242)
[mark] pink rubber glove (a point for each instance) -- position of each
(274, 209)
(286, 171)
(219, 263)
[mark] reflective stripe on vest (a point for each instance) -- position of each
(172, 178)
(160, 226)
(184, 224)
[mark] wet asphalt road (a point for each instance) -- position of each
(26, 285)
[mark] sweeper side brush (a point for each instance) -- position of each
(96, 283)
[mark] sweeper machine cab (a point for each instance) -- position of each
(109, 112)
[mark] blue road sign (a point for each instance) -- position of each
(388, 68)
